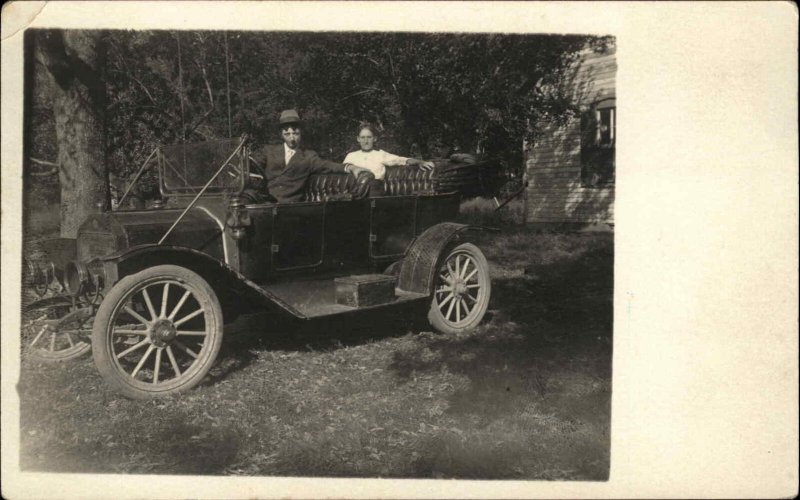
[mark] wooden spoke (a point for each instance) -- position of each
(446, 299)
(188, 332)
(187, 318)
(471, 274)
(466, 265)
(131, 349)
(173, 362)
(458, 309)
(464, 305)
(450, 270)
(141, 361)
(450, 309)
(475, 285)
(53, 341)
(41, 332)
(129, 332)
(164, 297)
(150, 307)
(179, 304)
(458, 261)
(470, 297)
(158, 365)
(74, 330)
(185, 349)
(446, 279)
(445, 289)
(69, 339)
(136, 315)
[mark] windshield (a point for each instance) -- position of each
(185, 168)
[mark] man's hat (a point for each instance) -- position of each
(289, 116)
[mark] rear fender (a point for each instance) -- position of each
(419, 265)
(236, 293)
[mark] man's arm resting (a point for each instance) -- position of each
(322, 166)
(354, 170)
(424, 165)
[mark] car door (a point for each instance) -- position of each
(392, 223)
(298, 236)
(346, 236)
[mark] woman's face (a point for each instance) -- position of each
(366, 140)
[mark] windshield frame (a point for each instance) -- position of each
(239, 161)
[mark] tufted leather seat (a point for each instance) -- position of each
(326, 187)
(405, 180)
(459, 173)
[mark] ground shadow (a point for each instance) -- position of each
(550, 343)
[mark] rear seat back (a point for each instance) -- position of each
(326, 187)
(399, 181)
(405, 180)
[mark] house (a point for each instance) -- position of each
(570, 167)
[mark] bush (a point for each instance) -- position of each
(483, 212)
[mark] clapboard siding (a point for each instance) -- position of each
(555, 193)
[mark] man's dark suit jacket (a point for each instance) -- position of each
(286, 183)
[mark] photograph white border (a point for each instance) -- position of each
(705, 368)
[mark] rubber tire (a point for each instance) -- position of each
(102, 349)
(436, 318)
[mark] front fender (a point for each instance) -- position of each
(233, 289)
(419, 265)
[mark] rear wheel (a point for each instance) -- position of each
(56, 333)
(461, 291)
(157, 332)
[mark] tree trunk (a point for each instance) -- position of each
(75, 62)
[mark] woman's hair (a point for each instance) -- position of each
(369, 127)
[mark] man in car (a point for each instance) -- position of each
(286, 167)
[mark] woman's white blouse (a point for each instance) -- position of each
(375, 161)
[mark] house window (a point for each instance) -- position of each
(598, 139)
(605, 127)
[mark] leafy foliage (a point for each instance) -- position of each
(426, 93)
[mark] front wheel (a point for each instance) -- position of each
(461, 291)
(157, 332)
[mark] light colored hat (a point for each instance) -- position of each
(289, 116)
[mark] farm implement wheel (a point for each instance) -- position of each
(56, 333)
(461, 291)
(157, 332)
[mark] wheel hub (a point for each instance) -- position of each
(459, 288)
(163, 332)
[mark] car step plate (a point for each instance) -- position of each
(317, 298)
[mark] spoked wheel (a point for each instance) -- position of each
(57, 333)
(157, 332)
(461, 291)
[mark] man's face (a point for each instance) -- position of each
(291, 136)
(366, 140)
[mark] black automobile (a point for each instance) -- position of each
(149, 291)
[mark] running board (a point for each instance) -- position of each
(318, 298)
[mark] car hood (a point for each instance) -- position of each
(110, 232)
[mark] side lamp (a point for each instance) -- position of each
(238, 218)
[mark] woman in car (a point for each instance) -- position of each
(376, 160)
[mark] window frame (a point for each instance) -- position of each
(597, 154)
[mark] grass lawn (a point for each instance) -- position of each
(524, 396)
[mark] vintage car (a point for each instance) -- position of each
(150, 290)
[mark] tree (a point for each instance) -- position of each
(485, 93)
(75, 62)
